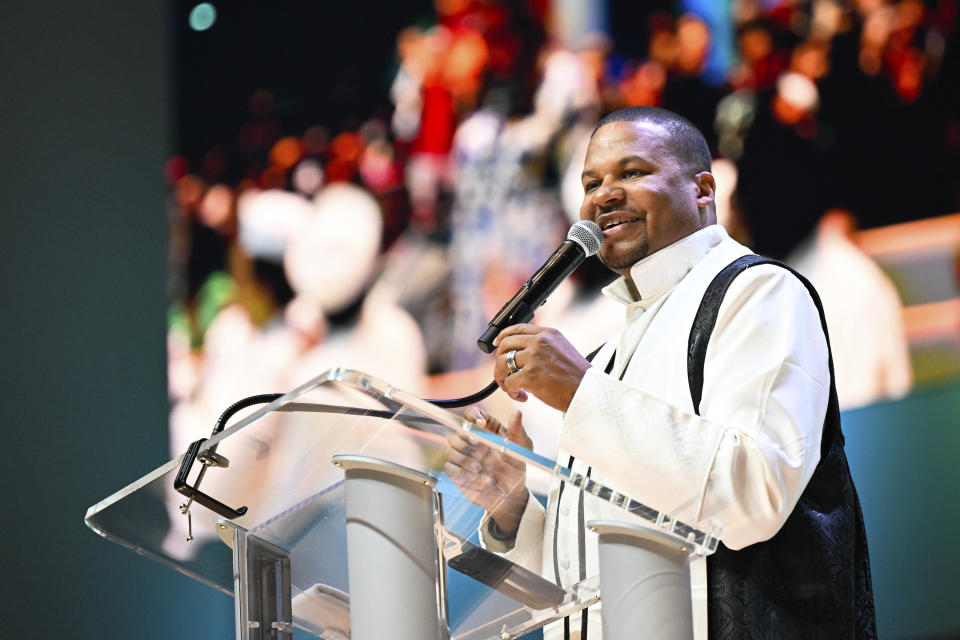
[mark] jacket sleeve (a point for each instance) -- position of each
(526, 549)
(747, 458)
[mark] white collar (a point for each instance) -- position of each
(662, 270)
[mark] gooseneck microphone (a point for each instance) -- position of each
(583, 240)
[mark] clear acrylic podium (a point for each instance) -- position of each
(336, 518)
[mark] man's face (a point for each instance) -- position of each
(639, 192)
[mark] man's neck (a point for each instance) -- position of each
(657, 273)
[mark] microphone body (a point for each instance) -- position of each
(583, 240)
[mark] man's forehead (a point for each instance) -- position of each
(639, 125)
(641, 138)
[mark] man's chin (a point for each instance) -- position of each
(618, 261)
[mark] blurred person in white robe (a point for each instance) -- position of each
(863, 310)
(328, 251)
(248, 349)
(331, 263)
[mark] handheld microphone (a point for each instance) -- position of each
(583, 240)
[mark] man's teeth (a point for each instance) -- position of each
(613, 223)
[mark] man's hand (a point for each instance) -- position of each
(488, 479)
(549, 366)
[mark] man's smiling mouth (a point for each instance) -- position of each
(614, 223)
(613, 220)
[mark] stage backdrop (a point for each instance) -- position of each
(85, 121)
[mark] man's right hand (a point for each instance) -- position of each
(485, 476)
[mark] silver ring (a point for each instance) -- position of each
(512, 361)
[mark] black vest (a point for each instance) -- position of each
(812, 579)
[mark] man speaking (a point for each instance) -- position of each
(714, 402)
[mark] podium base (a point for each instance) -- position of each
(644, 583)
(393, 560)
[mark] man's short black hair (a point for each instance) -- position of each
(685, 138)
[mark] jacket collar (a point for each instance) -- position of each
(659, 272)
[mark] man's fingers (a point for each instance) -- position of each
(473, 485)
(477, 416)
(524, 345)
(460, 477)
(514, 330)
(464, 461)
(520, 396)
(515, 425)
(521, 355)
(515, 431)
(453, 471)
(513, 388)
(513, 385)
(458, 443)
(460, 447)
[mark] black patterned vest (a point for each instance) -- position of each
(812, 579)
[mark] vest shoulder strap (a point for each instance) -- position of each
(706, 319)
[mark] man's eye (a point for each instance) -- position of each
(633, 173)
(590, 186)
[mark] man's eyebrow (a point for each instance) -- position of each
(588, 173)
(632, 158)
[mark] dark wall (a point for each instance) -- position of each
(84, 133)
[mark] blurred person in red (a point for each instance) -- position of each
(424, 119)
(643, 81)
(755, 443)
(442, 78)
(381, 172)
(762, 61)
(439, 77)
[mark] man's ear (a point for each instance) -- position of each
(706, 188)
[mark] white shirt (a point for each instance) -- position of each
(745, 460)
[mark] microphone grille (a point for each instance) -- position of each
(588, 235)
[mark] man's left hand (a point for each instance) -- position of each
(548, 366)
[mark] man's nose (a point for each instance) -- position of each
(606, 195)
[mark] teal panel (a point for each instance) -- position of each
(905, 460)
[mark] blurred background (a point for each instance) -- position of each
(203, 201)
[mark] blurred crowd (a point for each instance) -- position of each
(387, 245)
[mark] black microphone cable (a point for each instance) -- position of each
(266, 398)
